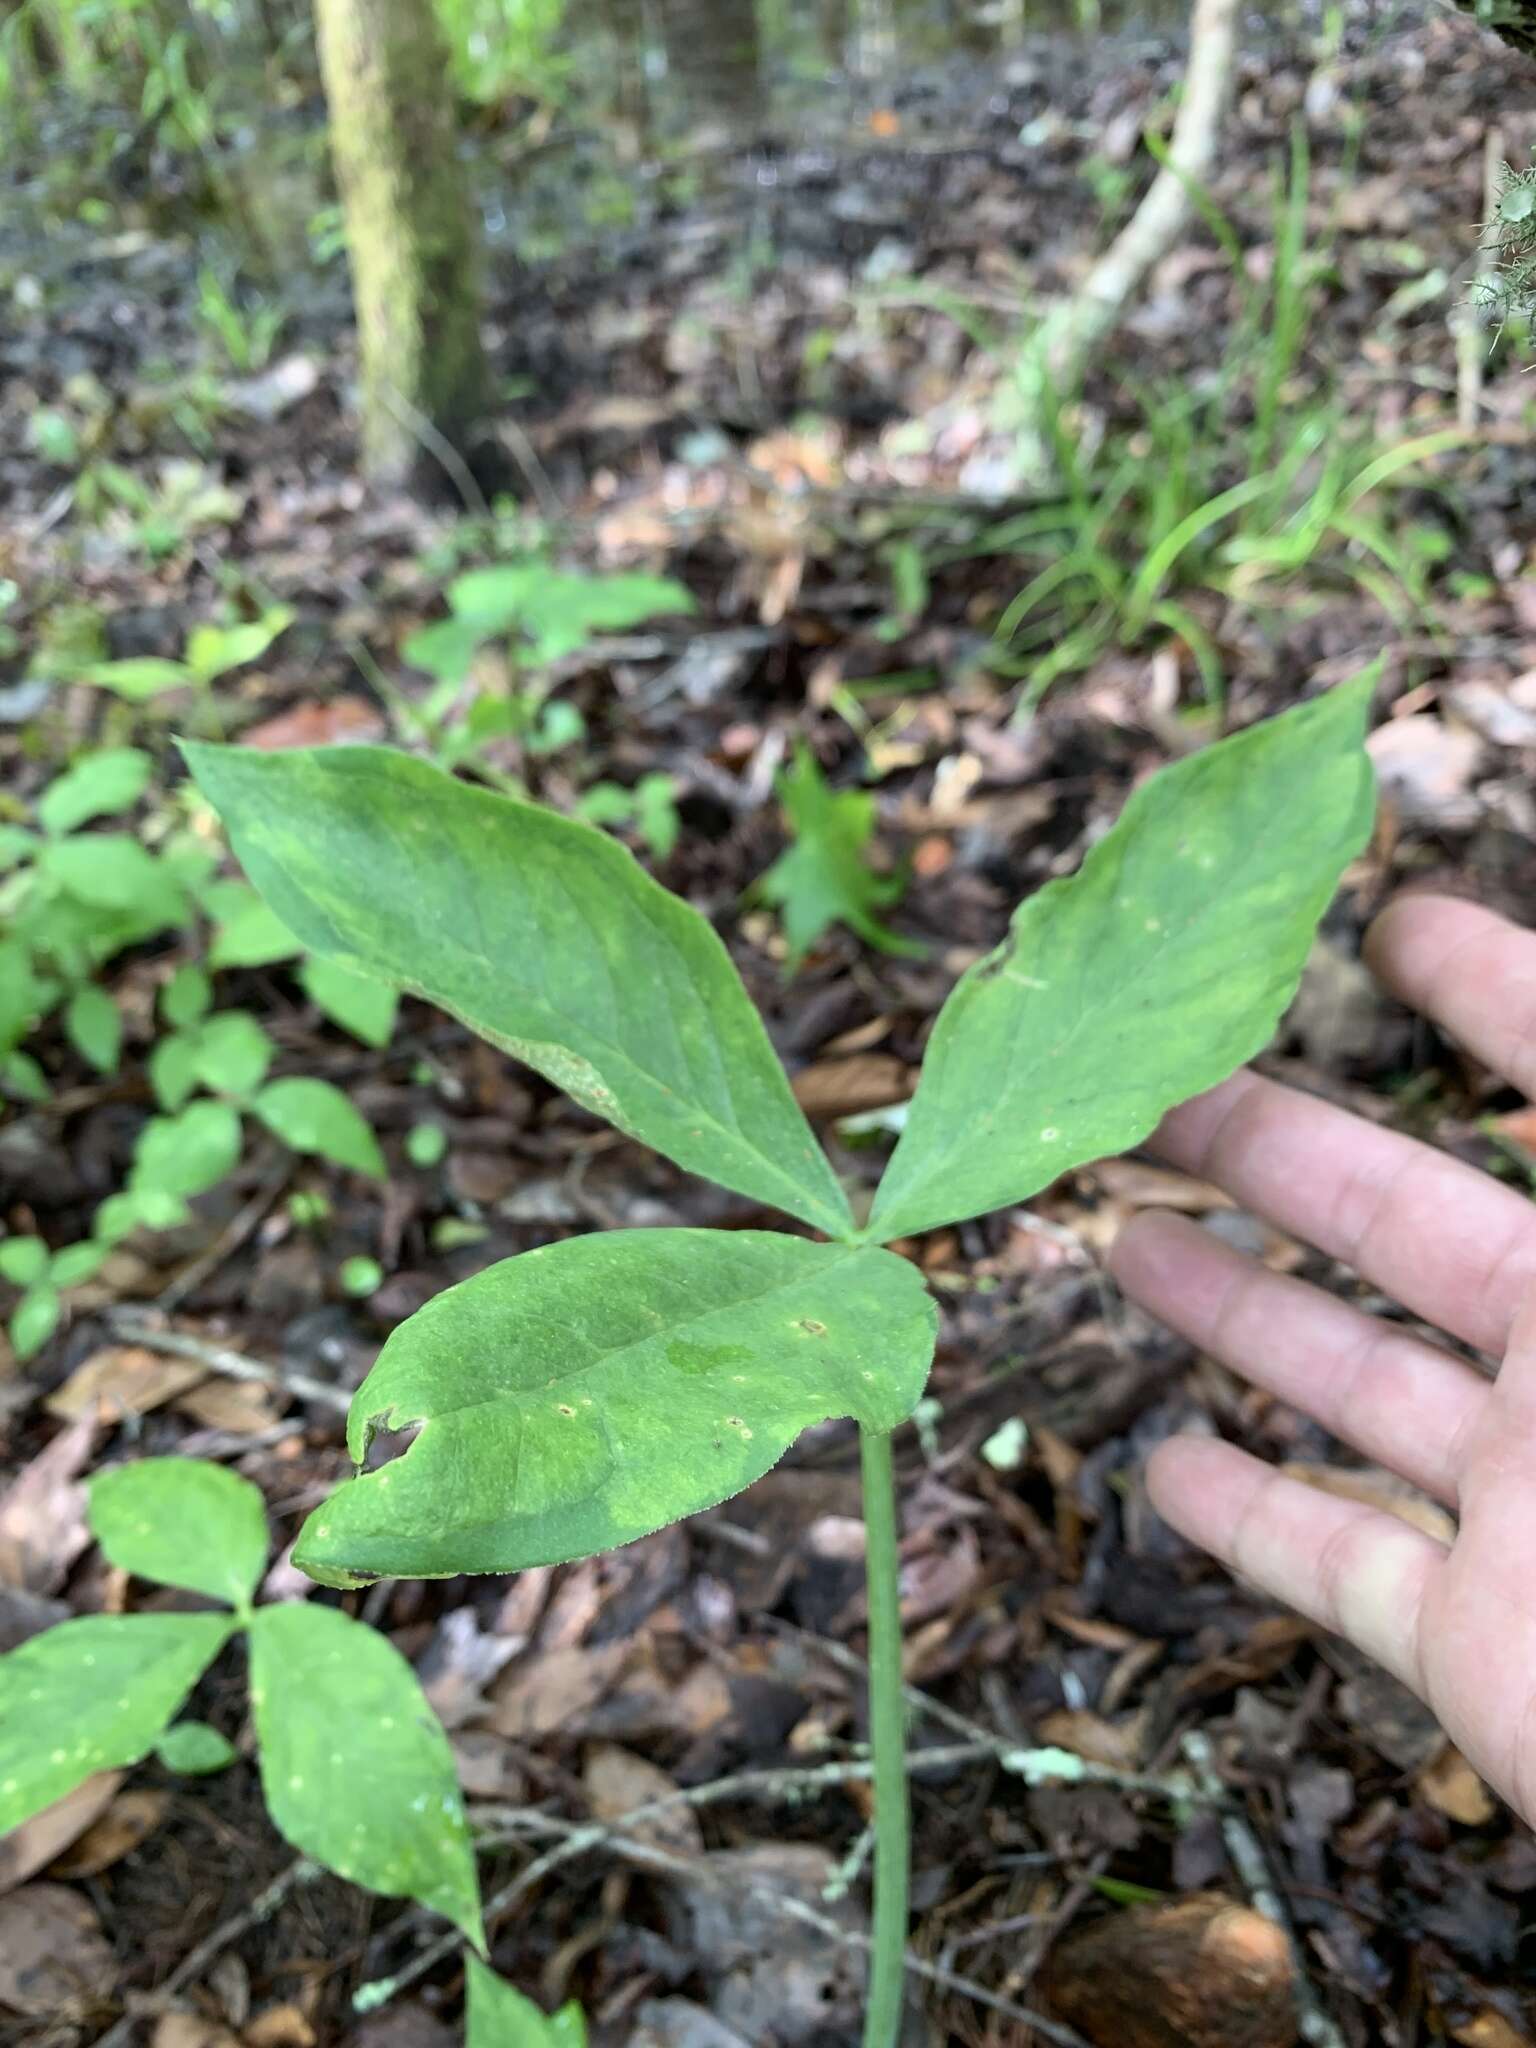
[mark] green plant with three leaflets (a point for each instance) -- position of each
(356, 1770)
(535, 615)
(594, 1390)
(197, 1138)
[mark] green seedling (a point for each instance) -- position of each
(650, 807)
(356, 1770)
(825, 877)
(211, 651)
(597, 1389)
(71, 899)
(193, 1145)
(533, 615)
(43, 1277)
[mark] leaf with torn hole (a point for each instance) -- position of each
(589, 1392)
(355, 1766)
(542, 934)
(92, 1695)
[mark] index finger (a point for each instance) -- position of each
(1470, 970)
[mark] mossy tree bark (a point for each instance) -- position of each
(410, 238)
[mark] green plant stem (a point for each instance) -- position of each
(888, 1737)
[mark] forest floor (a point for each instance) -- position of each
(779, 388)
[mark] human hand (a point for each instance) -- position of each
(1456, 1248)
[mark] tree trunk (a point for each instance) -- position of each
(1062, 347)
(410, 241)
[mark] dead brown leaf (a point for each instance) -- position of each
(1449, 1784)
(33, 1846)
(322, 723)
(42, 1517)
(552, 1692)
(123, 1379)
(1377, 1489)
(280, 2026)
(618, 1782)
(488, 1766)
(1425, 769)
(847, 1087)
(53, 1959)
(130, 1819)
(1119, 1745)
(191, 2030)
(242, 1407)
(1489, 2029)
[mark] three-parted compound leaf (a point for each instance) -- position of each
(1152, 973)
(182, 1522)
(587, 1393)
(93, 1695)
(355, 1766)
(542, 934)
(497, 2016)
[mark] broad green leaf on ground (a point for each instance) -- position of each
(1152, 973)
(97, 786)
(195, 1749)
(182, 1522)
(189, 1153)
(186, 997)
(23, 1260)
(95, 1027)
(249, 934)
(312, 1116)
(112, 872)
(497, 2016)
(542, 934)
(587, 1393)
(34, 1319)
(363, 1007)
(138, 678)
(93, 1695)
(558, 611)
(231, 1052)
(825, 877)
(355, 1766)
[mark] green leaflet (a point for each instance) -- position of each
(98, 785)
(312, 1116)
(93, 1695)
(496, 2016)
(365, 1008)
(587, 1393)
(355, 1766)
(543, 935)
(824, 877)
(182, 1522)
(195, 1749)
(1152, 973)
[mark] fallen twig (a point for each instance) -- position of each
(1251, 1865)
(233, 1365)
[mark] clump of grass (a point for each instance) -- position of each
(1235, 483)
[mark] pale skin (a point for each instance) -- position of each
(1454, 1247)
